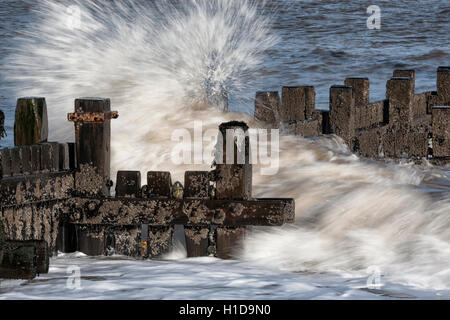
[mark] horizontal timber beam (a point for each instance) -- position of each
(191, 212)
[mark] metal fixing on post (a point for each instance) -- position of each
(93, 117)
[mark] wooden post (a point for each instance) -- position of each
(5, 163)
(234, 179)
(16, 159)
(441, 131)
(128, 184)
(159, 184)
(267, 108)
(92, 120)
(159, 239)
(36, 156)
(362, 89)
(404, 73)
(400, 93)
(298, 103)
(26, 159)
(31, 123)
(342, 113)
(443, 85)
(233, 162)
(196, 186)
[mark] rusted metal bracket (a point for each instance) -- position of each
(92, 117)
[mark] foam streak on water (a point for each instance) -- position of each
(159, 62)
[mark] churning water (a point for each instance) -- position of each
(165, 64)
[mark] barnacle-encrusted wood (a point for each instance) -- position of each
(93, 139)
(406, 124)
(56, 197)
(139, 221)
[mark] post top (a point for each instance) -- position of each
(405, 70)
(357, 78)
(444, 69)
(342, 87)
(400, 79)
(441, 107)
(92, 105)
(233, 125)
(92, 99)
(260, 93)
(298, 87)
(31, 98)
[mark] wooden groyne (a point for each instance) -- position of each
(404, 125)
(57, 197)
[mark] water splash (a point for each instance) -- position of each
(163, 63)
(141, 54)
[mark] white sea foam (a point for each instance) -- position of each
(165, 64)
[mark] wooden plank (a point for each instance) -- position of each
(93, 141)
(26, 160)
(159, 184)
(16, 162)
(5, 161)
(233, 169)
(128, 184)
(197, 238)
(191, 212)
(229, 241)
(34, 188)
(36, 163)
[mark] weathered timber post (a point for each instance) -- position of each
(400, 94)
(158, 238)
(31, 122)
(342, 113)
(441, 131)
(298, 103)
(443, 85)
(5, 163)
(362, 89)
(233, 179)
(128, 184)
(92, 120)
(403, 73)
(267, 108)
(196, 186)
